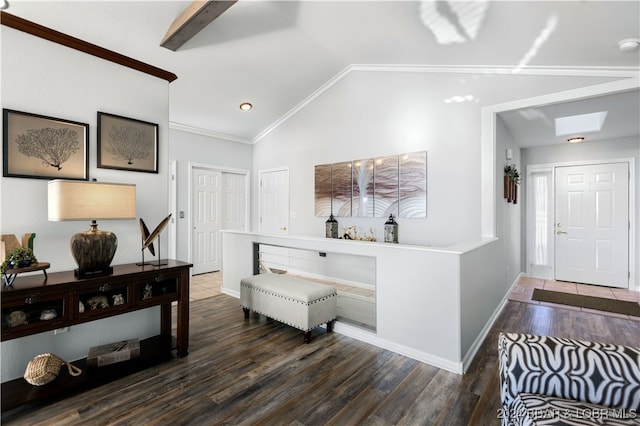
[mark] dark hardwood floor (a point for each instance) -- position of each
(259, 373)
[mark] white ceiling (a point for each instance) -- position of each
(275, 54)
(533, 127)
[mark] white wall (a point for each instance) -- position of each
(615, 149)
(188, 147)
(368, 114)
(508, 215)
(416, 288)
(434, 305)
(45, 78)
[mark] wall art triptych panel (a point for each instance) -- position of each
(341, 188)
(386, 182)
(323, 190)
(413, 185)
(396, 184)
(363, 188)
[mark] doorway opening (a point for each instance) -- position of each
(580, 222)
(274, 201)
(218, 200)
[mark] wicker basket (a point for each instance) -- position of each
(46, 367)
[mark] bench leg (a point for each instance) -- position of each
(330, 326)
(307, 336)
(246, 313)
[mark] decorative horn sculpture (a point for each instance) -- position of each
(149, 238)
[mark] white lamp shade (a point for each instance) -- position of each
(81, 200)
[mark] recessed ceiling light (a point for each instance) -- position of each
(576, 139)
(628, 44)
(245, 106)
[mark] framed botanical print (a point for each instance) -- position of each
(41, 147)
(127, 144)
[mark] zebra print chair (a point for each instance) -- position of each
(548, 380)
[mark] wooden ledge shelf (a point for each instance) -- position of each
(9, 276)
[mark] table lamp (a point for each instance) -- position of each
(93, 250)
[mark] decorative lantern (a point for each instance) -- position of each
(331, 227)
(391, 230)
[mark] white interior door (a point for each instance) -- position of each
(274, 201)
(234, 201)
(592, 224)
(206, 220)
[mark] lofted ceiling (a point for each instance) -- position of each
(275, 54)
(532, 127)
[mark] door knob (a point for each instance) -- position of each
(560, 232)
(284, 228)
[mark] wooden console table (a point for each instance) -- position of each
(129, 288)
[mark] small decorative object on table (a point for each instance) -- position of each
(17, 318)
(48, 314)
(18, 258)
(98, 302)
(331, 227)
(391, 230)
(46, 367)
(349, 233)
(149, 238)
(112, 353)
(148, 292)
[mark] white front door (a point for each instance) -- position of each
(206, 220)
(592, 224)
(234, 201)
(274, 201)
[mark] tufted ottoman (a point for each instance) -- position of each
(294, 301)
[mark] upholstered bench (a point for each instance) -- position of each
(294, 301)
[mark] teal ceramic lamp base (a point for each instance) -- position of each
(93, 251)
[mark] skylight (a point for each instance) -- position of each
(577, 124)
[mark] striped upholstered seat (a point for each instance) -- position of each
(548, 380)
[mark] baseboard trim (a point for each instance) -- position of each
(232, 293)
(372, 339)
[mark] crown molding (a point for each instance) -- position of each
(617, 72)
(306, 101)
(611, 72)
(210, 133)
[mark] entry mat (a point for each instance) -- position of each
(591, 302)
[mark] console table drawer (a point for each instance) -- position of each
(156, 289)
(31, 312)
(101, 299)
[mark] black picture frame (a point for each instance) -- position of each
(127, 144)
(42, 147)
